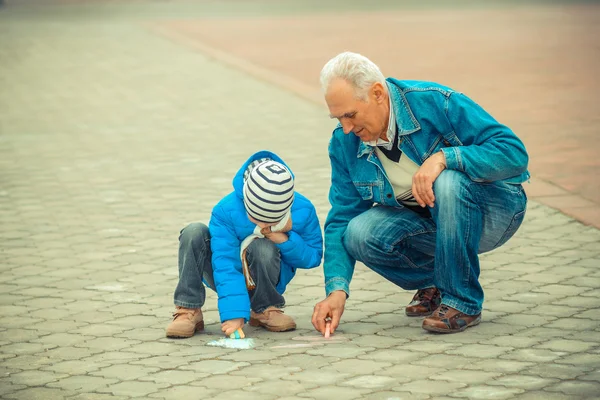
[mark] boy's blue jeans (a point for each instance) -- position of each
(416, 252)
(195, 264)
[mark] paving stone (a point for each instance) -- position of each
(304, 361)
(577, 324)
(26, 348)
(278, 387)
(558, 371)
(571, 346)
(8, 387)
(554, 310)
(396, 395)
(529, 320)
(242, 394)
(214, 366)
(371, 382)
(533, 355)
(543, 395)
(592, 376)
(97, 396)
(577, 388)
(504, 366)
(133, 388)
(109, 344)
(224, 382)
(514, 341)
(444, 361)
(35, 378)
(170, 377)
(38, 393)
(480, 351)
(124, 372)
(329, 392)
(82, 383)
(60, 339)
(182, 392)
(466, 377)
(522, 381)
(430, 387)
(585, 360)
(487, 392)
(391, 355)
(364, 366)
(73, 367)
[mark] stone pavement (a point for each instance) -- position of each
(112, 138)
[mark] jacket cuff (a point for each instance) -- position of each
(337, 284)
(233, 314)
(453, 160)
(291, 243)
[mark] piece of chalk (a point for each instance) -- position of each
(327, 329)
(238, 334)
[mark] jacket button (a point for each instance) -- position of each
(389, 196)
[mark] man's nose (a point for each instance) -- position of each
(347, 127)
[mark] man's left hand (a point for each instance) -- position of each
(422, 186)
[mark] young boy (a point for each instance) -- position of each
(257, 237)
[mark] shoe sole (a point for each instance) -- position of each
(435, 329)
(285, 328)
(181, 335)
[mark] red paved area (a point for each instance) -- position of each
(535, 69)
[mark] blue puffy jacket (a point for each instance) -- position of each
(229, 226)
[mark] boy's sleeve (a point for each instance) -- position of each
(234, 301)
(306, 250)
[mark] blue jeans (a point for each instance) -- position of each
(416, 251)
(195, 267)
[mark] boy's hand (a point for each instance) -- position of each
(232, 325)
(277, 237)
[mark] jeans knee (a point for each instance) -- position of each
(195, 234)
(262, 250)
(450, 188)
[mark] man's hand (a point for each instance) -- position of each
(332, 309)
(232, 325)
(422, 186)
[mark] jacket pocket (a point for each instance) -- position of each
(365, 191)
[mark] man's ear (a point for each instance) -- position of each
(378, 92)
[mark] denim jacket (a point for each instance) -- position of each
(430, 117)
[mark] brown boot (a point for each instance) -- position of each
(273, 319)
(449, 320)
(424, 302)
(186, 321)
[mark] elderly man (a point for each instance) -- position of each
(423, 180)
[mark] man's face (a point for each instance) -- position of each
(367, 119)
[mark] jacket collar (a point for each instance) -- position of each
(405, 120)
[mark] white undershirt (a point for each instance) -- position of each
(399, 174)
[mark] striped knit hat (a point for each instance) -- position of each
(268, 191)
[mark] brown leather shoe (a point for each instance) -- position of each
(273, 319)
(186, 321)
(424, 302)
(449, 320)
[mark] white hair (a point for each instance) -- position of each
(354, 68)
